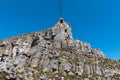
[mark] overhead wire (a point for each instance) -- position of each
(58, 6)
(55, 4)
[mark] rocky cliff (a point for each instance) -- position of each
(54, 55)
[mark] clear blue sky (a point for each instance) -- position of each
(93, 21)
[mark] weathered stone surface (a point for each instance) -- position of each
(53, 54)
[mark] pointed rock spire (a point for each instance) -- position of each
(62, 30)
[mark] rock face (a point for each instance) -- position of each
(54, 55)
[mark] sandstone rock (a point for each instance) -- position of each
(42, 77)
(53, 54)
(86, 69)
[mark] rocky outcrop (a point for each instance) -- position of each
(53, 54)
